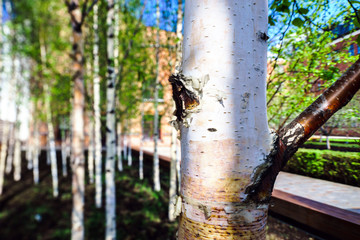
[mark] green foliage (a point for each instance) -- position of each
(303, 60)
(342, 167)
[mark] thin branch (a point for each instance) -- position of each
(355, 10)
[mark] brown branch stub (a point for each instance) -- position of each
(184, 99)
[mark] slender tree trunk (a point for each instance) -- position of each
(173, 185)
(91, 151)
(141, 152)
(119, 148)
(10, 155)
(116, 69)
(328, 142)
(17, 149)
(17, 123)
(51, 135)
(4, 141)
(51, 144)
(156, 170)
(125, 145)
(110, 127)
(77, 158)
(129, 156)
(64, 155)
(173, 149)
(37, 152)
(97, 121)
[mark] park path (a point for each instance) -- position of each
(335, 194)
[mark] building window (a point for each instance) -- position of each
(351, 50)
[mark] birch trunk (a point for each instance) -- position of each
(91, 152)
(51, 135)
(116, 69)
(173, 149)
(328, 142)
(64, 154)
(17, 151)
(10, 155)
(156, 168)
(97, 121)
(4, 141)
(125, 145)
(141, 152)
(119, 148)
(224, 133)
(36, 153)
(52, 150)
(110, 233)
(77, 158)
(129, 156)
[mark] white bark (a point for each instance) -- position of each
(125, 145)
(129, 156)
(119, 148)
(17, 154)
(51, 143)
(97, 121)
(174, 166)
(51, 135)
(328, 142)
(4, 141)
(110, 233)
(141, 152)
(91, 152)
(173, 186)
(10, 156)
(226, 137)
(156, 168)
(36, 153)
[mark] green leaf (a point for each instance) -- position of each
(358, 40)
(303, 11)
(356, 22)
(271, 21)
(298, 22)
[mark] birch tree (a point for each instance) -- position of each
(156, 168)
(51, 135)
(97, 121)
(77, 17)
(230, 158)
(110, 126)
